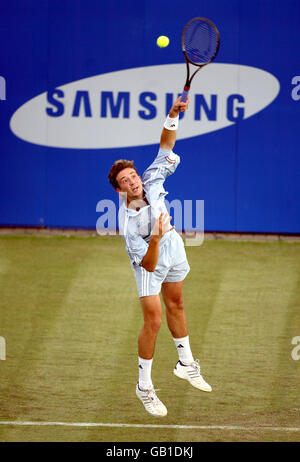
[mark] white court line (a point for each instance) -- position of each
(122, 425)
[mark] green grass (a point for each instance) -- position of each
(70, 314)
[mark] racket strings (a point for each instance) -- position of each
(200, 41)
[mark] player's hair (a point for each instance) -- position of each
(116, 168)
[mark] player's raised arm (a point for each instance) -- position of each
(168, 136)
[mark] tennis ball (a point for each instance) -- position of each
(162, 41)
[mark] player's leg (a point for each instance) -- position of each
(173, 298)
(176, 319)
(152, 310)
(186, 368)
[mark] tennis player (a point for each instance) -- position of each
(158, 258)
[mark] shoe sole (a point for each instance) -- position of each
(184, 378)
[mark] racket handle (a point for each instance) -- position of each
(185, 94)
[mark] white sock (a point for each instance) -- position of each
(145, 366)
(184, 349)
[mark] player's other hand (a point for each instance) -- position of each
(162, 225)
(178, 106)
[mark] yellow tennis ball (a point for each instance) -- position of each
(162, 41)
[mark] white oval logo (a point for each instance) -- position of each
(127, 108)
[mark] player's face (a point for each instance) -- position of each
(130, 183)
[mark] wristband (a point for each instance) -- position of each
(171, 124)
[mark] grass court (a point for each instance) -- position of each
(70, 316)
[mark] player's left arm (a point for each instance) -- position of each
(168, 136)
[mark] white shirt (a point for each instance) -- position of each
(136, 226)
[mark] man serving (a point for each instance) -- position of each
(158, 258)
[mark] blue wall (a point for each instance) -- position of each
(247, 173)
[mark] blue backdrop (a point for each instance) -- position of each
(248, 173)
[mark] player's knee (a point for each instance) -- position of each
(176, 304)
(154, 323)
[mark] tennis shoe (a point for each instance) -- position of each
(151, 402)
(191, 373)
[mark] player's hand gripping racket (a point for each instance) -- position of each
(200, 45)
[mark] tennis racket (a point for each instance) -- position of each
(200, 44)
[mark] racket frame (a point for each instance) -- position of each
(189, 61)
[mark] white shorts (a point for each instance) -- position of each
(172, 266)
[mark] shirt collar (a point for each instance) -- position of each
(132, 212)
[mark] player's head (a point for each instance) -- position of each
(124, 178)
